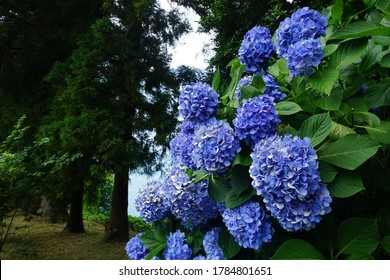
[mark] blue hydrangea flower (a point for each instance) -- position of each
(256, 119)
(198, 103)
(249, 225)
(272, 88)
(177, 249)
(304, 56)
(135, 249)
(303, 24)
(187, 127)
(199, 258)
(187, 201)
(245, 81)
(256, 50)
(210, 245)
(284, 173)
(181, 149)
(214, 146)
(149, 202)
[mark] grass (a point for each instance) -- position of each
(33, 239)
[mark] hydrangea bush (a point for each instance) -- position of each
(291, 159)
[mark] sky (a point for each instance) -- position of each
(187, 51)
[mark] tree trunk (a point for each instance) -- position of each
(117, 228)
(75, 222)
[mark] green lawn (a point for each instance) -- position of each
(36, 240)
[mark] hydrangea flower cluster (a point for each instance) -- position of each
(150, 203)
(198, 102)
(177, 249)
(284, 173)
(187, 201)
(135, 249)
(214, 146)
(303, 24)
(297, 39)
(245, 81)
(249, 224)
(304, 56)
(181, 149)
(256, 119)
(272, 88)
(210, 245)
(256, 49)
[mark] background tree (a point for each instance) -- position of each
(116, 104)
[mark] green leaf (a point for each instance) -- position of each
(346, 184)
(368, 117)
(358, 235)
(385, 242)
(289, 130)
(249, 92)
(370, 57)
(378, 94)
(240, 178)
(385, 62)
(199, 175)
(380, 133)
(360, 256)
(258, 83)
(329, 49)
(360, 29)
(282, 64)
(216, 79)
(149, 240)
(233, 199)
(242, 158)
(327, 172)
(347, 53)
(236, 72)
(155, 251)
(331, 102)
(316, 127)
(218, 188)
(324, 80)
(349, 152)
(228, 245)
(337, 10)
(339, 131)
(285, 108)
(297, 249)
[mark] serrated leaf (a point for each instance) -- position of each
(368, 117)
(378, 94)
(360, 256)
(329, 49)
(316, 127)
(331, 102)
(324, 80)
(360, 29)
(327, 172)
(347, 53)
(385, 242)
(385, 62)
(369, 58)
(339, 131)
(228, 245)
(218, 188)
(297, 249)
(233, 199)
(349, 152)
(148, 239)
(285, 108)
(216, 79)
(337, 10)
(380, 133)
(358, 235)
(289, 130)
(240, 178)
(346, 185)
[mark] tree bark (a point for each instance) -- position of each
(75, 222)
(117, 228)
